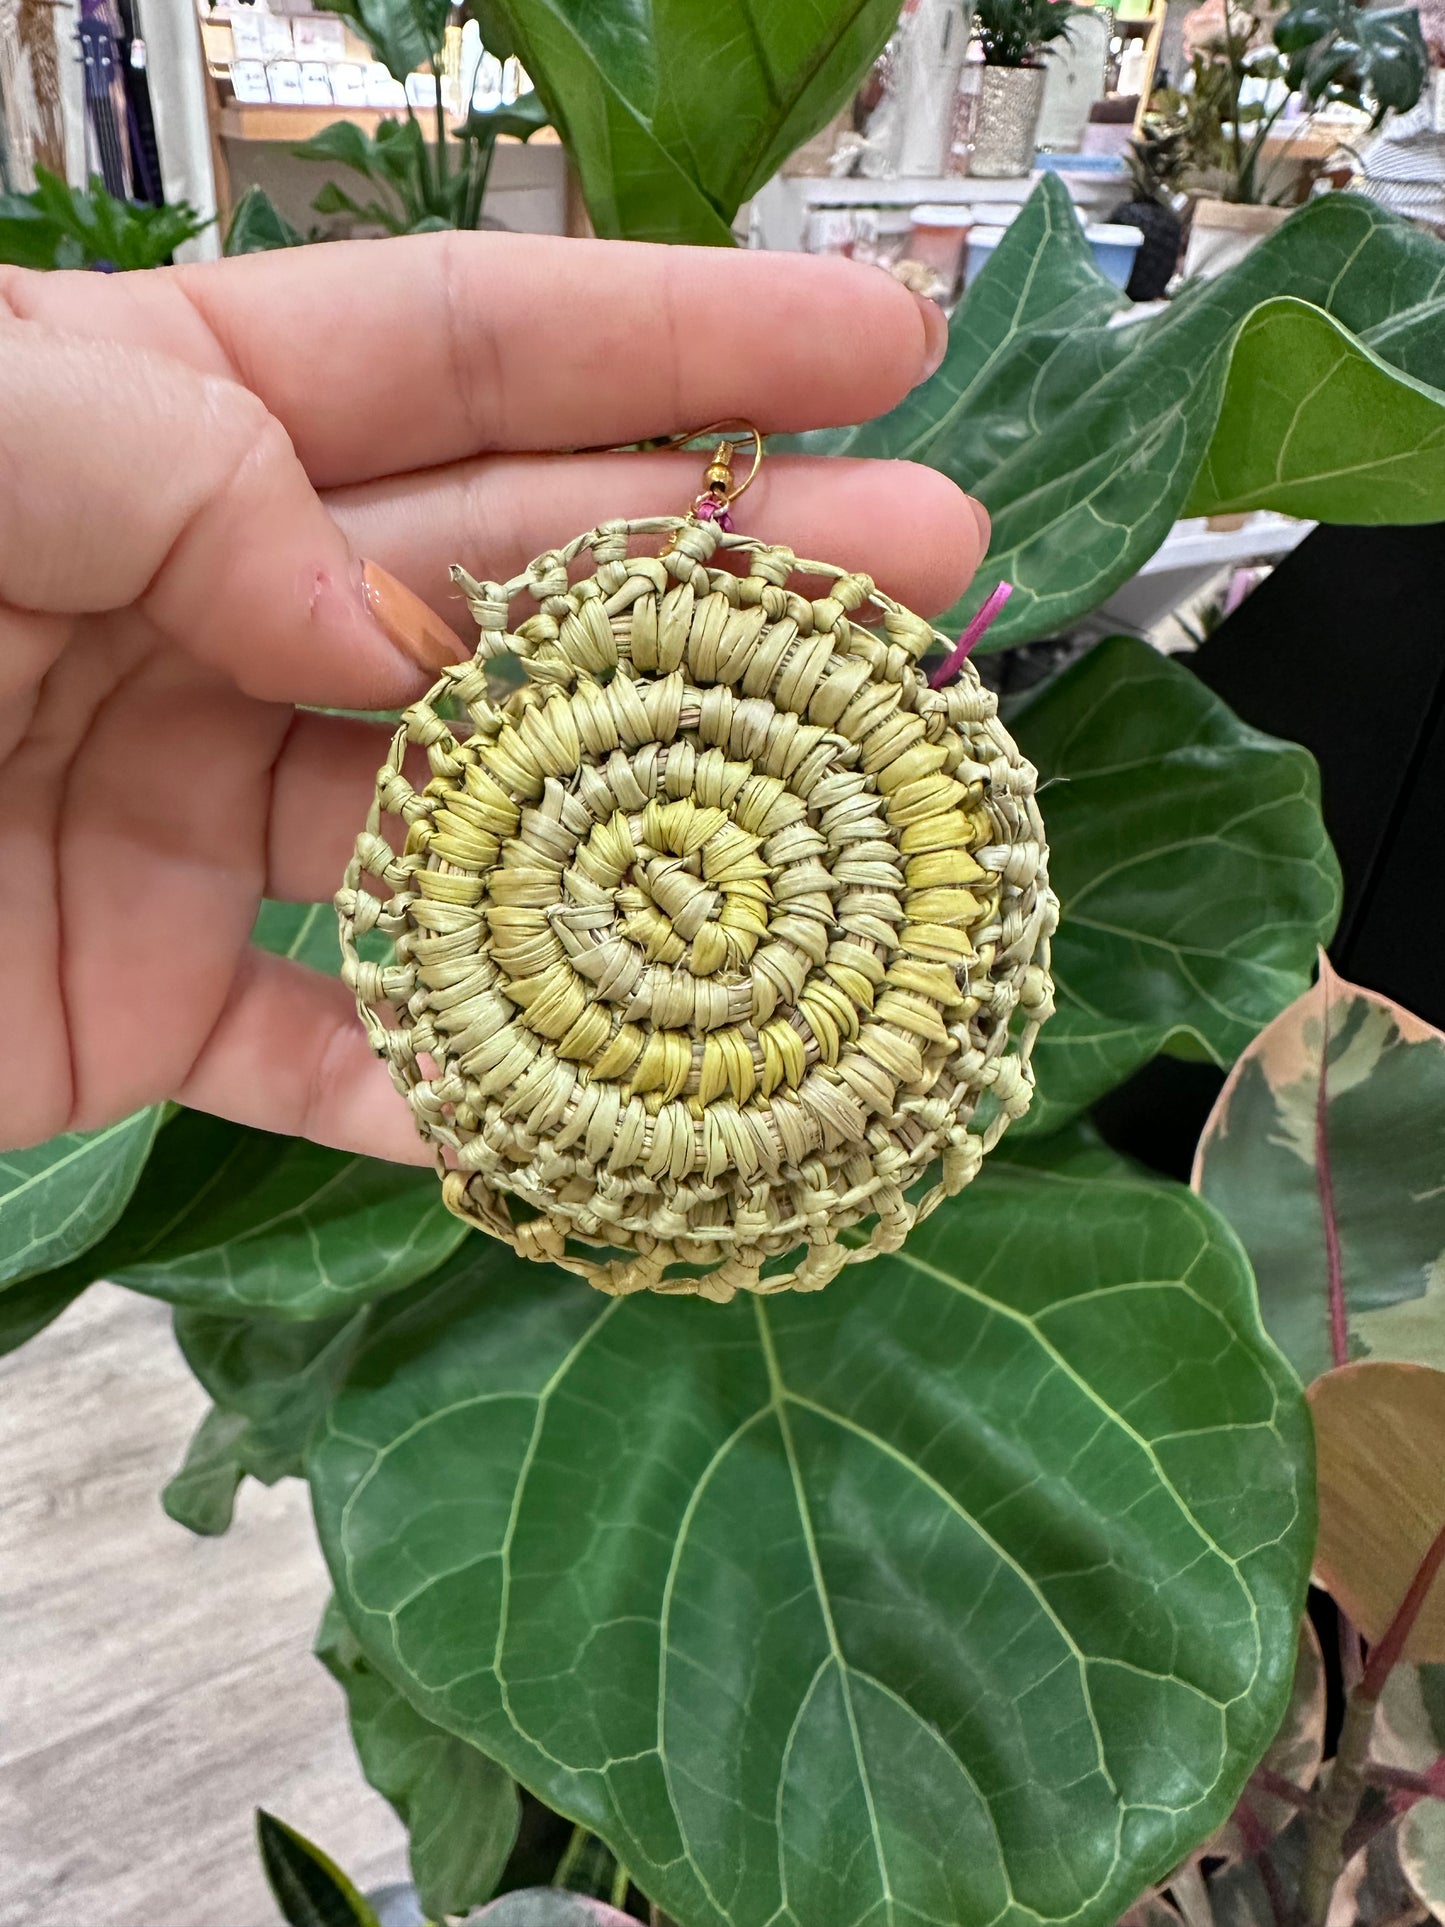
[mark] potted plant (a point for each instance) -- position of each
(1013, 36)
(1157, 159)
(969, 1590)
(1317, 54)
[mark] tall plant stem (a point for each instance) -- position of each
(1329, 1819)
(423, 184)
(1234, 53)
(1337, 1805)
(571, 1854)
(1257, 187)
(441, 127)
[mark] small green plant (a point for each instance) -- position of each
(415, 185)
(1017, 33)
(58, 226)
(308, 1886)
(1323, 53)
(259, 227)
(418, 187)
(1158, 157)
(671, 116)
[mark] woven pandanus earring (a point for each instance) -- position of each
(718, 941)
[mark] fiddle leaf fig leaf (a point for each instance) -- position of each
(305, 932)
(1328, 1138)
(276, 1375)
(947, 1562)
(271, 1380)
(1367, 432)
(1191, 862)
(1086, 440)
(674, 113)
(230, 1219)
(28, 1308)
(202, 1495)
(1294, 1755)
(461, 1809)
(63, 1196)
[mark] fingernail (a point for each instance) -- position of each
(407, 621)
(935, 334)
(985, 524)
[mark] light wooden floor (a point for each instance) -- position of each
(154, 1688)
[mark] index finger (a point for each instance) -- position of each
(384, 356)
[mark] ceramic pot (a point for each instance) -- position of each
(1010, 101)
(1222, 233)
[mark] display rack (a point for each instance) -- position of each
(781, 209)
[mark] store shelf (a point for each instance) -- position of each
(241, 121)
(781, 208)
(1187, 561)
(949, 189)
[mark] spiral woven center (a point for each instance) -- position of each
(709, 937)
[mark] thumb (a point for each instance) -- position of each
(133, 479)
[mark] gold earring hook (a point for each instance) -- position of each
(735, 432)
(719, 490)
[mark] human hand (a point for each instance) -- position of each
(192, 465)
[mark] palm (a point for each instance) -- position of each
(206, 454)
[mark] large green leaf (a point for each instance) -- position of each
(460, 1808)
(1315, 424)
(277, 1375)
(1332, 1125)
(403, 34)
(271, 1380)
(28, 1308)
(230, 1219)
(61, 1197)
(1085, 439)
(202, 1495)
(305, 932)
(929, 1598)
(675, 113)
(1191, 862)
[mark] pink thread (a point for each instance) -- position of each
(963, 648)
(710, 510)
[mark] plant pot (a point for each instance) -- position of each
(1221, 233)
(1010, 101)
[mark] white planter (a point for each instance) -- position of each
(1221, 233)
(932, 40)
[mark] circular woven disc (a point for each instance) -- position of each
(716, 948)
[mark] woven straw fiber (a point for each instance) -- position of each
(720, 936)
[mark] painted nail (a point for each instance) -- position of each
(407, 621)
(935, 334)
